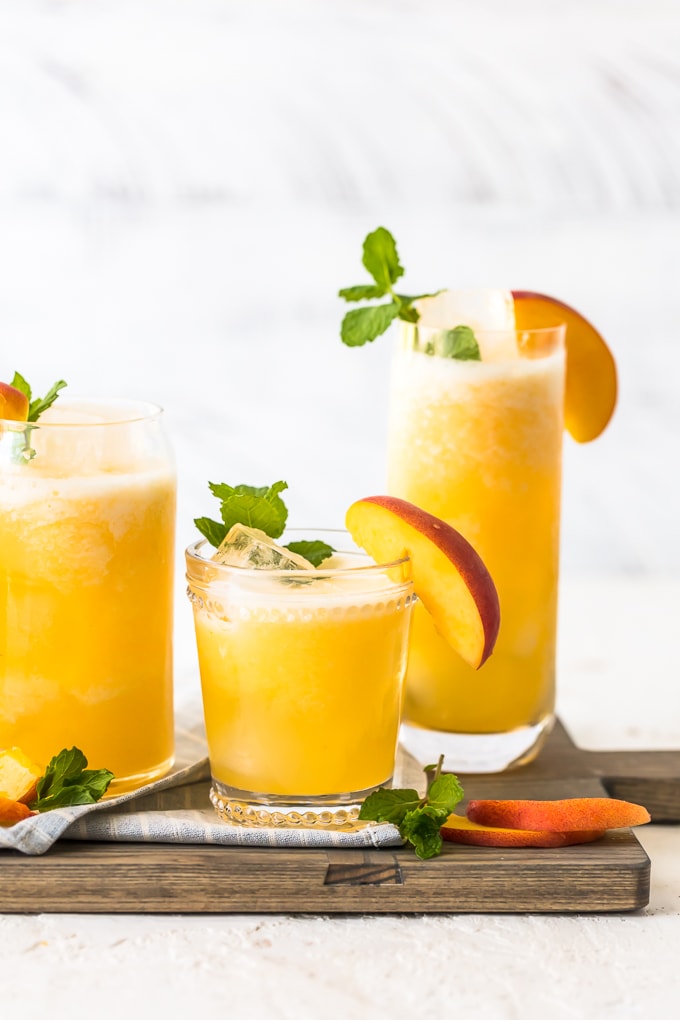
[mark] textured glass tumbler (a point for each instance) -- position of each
(87, 517)
(479, 444)
(302, 674)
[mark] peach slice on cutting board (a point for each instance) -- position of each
(458, 829)
(13, 403)
(448, 574)
(591, 386)
(570, 815)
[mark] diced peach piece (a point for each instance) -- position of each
(13, 403)
(461, 830)
(13, 811)
(448, 574)
(18, 775)
(571, 815)
(591, 387)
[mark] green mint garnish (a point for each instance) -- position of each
(40, 404)
(458, 343)
(316, 552)
(257, 507)
(381, 259)
(68, 781)
(361, 325)
(419, 819)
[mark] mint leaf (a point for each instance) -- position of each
(459, 343)
(362, 325)
(444, 794)
(19, 383)
(68, 781)
(422, 829)
(381, 259)
(315, 552)
(40, 404)
(363, 292)
(385, 805)
(214, 531)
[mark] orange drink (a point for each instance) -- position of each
(87, 510)
(478, 443)
(301, 673)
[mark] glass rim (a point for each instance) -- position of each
(533, 330)
(147, 412)
(192, 556)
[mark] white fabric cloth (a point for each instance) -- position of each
(175, 809)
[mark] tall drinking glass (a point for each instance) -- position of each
(302, 677)
(479, 444)
(87, 513)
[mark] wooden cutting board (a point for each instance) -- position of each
(609, 875)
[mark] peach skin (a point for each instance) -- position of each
(576, 814)
(461, 830)
(12, 811)
(448, 574)
(13, 403)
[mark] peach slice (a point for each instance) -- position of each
(461, 830)
(591, 386)
(13, 403)
(18, 775)
(12, 811)
(571, 815)
(448, 575)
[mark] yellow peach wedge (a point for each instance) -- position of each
(591, 386)
(448, 574)
(458, 829)
(18, 775)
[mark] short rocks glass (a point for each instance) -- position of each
(302, 673)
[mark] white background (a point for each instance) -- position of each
(184, 185)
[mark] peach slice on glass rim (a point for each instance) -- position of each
(591, 387)
(448, 574)
(13, 403)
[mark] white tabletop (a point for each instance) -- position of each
(183, 187)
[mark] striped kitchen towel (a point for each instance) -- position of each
(176, 809)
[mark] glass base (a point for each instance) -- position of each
(256, 810)
(127, 783)
(477, 752)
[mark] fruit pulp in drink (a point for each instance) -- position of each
(86, 578)
(302, 682)
(479, 444)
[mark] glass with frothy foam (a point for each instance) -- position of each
(301, 672)
(479, 444)
(87, 515)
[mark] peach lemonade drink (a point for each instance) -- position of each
(301, 671)
(302, 648)
(483, 385)
(478, 443)
(87, 507)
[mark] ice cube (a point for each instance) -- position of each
(489, 313)
(250, 547)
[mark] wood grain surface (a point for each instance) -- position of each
(609, 875)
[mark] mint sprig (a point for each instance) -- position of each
(419, 819)
(257, 507)
(68, 781)
(362, 325)
(40, 404)
(381, 259)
